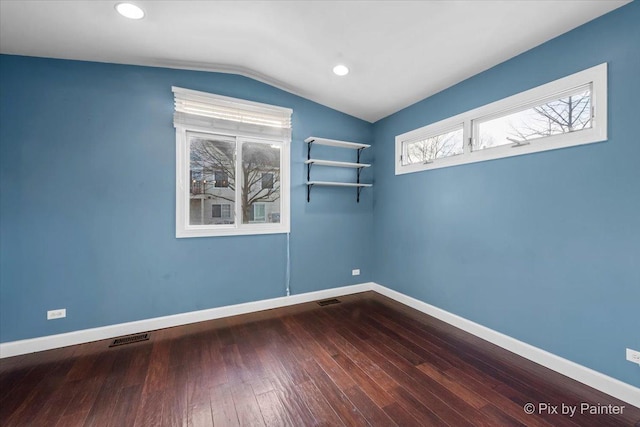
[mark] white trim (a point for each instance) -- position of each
(596, 76)
(594, 379)
(15, 348)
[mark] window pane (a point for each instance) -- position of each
(221, 179)
(435, 147)
(563, 115)
(212, 174)
(259, 160)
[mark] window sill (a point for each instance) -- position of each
(573, 139)
(246, 230)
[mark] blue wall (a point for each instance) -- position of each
(542, 247)
(87, 205)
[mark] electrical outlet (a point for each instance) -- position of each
(355, 272)
(56, 314)
(633, 356)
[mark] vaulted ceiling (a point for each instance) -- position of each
(399, 52)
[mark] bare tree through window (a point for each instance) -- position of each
(214, 175)
(564, 115)
(435, 147)
(561, 115)
(259, 159)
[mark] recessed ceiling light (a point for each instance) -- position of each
(129, 10)
(340, 70)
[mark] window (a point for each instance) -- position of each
(221, 211)
(221, 179)
(426, 150)
(566, 112)
(558, 115)
(258, 213)
(235, 155)
(267, 180)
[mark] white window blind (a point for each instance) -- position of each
(207, 111)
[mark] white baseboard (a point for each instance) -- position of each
(597, 380)
(15, 348)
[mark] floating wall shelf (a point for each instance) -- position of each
(332, 163)
(336, 164)
(335, 143)
(339, 184)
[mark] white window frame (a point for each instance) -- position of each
(439, 128)
(183, 228)
(594, 76)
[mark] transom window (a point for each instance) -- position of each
(426, 150)
(566, 112)
(230, 181)
(558, 115)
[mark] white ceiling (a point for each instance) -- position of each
(399, 52)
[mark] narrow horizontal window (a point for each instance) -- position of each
(566, 112)
(562, 114)
(426, 150)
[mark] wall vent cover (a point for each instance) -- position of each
(130, 339)
(328, 302)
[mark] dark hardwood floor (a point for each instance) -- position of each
(365, 361)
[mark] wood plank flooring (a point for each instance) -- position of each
(365, 361)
